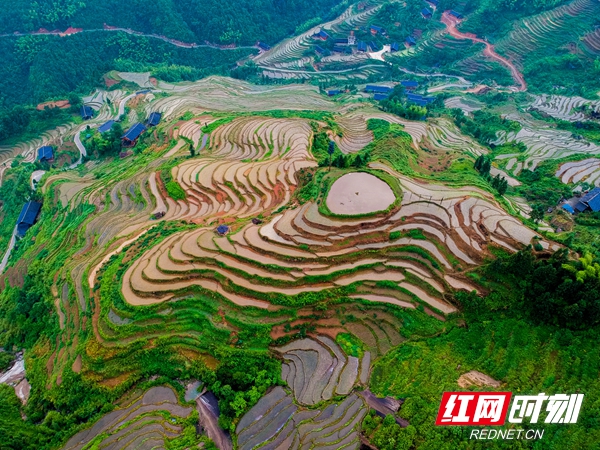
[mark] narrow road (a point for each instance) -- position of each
(451, 22)
(174, 42)
(11, 245)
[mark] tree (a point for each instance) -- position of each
(192, 150)
(537, 212)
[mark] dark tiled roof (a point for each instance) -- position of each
(264, 46)
(44, 153)
(411, 40)
(333, 92)
(27, 217)
(222, 229)
(426, 12)
(134, 132)
(107, 126)
(362, 47)
(395, 47)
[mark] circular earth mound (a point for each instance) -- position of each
(359, 193)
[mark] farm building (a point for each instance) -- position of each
(379, 96)
(263, 46)
(426, 13)
(433, 2)
(568, 208)
(411, 41)
(362, 47)
(341, 49)
(322, 51)
(45, 153)
(27, 218)
(376, 30)
(590, 201)
(154, 119)
(394, 47)
(419, 99)
(86, 112)
(322, 34)
(409, 85)
(106, 126)
(456, 14)
(333, 92)
(130, 138)
(374, 46)
(372, 88)
(222, 229)
(341, 41)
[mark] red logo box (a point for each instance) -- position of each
(473, 408)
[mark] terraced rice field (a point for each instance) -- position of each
(542, 144)
(587, 170)
(316, 370)
(565, 108)
(140, 424)
(284, 255)
(560, 25)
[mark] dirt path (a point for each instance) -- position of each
(451, 23)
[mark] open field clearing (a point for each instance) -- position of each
(146, 422)
(359, 193)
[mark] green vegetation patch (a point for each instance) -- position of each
(350, 344)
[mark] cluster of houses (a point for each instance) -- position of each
(131, 136)
(383, 92)
(587, 202)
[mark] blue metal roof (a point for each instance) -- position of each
(264, 46)
(456, 14)
(341, 41)
(154, 119)
(380, 89)
(134, 132)
(426, 12)
(27, 217)
(44, 153)
(411, 40)
(395, 47)
(222, 229)
(107, 126)
(86, 112)
(409, 83)
(362, 47)
(378, 96)
(568, 208)
(592, 199)
(376, 28)
(333, 92)
(434, 2)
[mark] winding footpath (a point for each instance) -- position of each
(451, 23)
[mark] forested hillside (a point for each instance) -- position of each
(244, 21)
